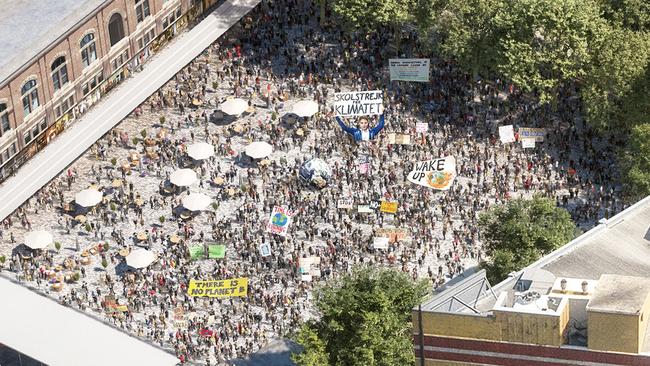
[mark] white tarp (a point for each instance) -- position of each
(409, 69)
(59, 336)
(362, 103)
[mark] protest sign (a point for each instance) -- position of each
(279, 221)
(180, 321)
(363, 103)
(216, 251)
(218, 288)
(506, 134)
(421, 127)
(409, 69)
(265, 249)
(436, 173)
(364, 209)
(528, 143)
(196, 252)
(345, 203)
(532, 133)
(306, 278)
(393, 234)
(389, 207)
(380, 243)
(399, 139)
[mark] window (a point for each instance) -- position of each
(115, 28)
(29, 93)
(141, 9)
(92, 83)
(4, 119)
(64, 107)
(27, 137)
(171, 18)
(88, 49)
(120, 60)
(59, 73)
(146, 39)
(13, 149)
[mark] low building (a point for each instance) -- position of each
(587, 303)
(60, 57)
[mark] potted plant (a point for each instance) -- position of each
(104, 263)
(161, 219)
(143, 133)
(113, 162)
(274, 116)
(88, 227)
(2, 261)
(162, 120)
(57, 245)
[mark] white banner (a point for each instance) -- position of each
(409, 69)
(421, 127)
(364, 103)
(279, 221)
(345, 202)
(380, 242)
(528, 143)
(506, 134)
(436, 173)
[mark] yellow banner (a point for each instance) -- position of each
(389, 207)
(218, 288)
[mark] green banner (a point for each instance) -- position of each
(196, 252)
(216, 251)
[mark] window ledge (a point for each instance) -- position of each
(93, 65)
(144, 23)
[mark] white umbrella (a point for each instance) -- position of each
(183, 177)
(88, 197)
(259, 150)
(140, 258)
(305, 108)
(200, 151)
(234, 107)
(196, 201)
(38, 239)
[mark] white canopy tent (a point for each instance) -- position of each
(183, 177)
(305, 108)
(200, 151)
(140, 258)
(234, 107)
(259, 150)
(196, 201)
(88, 197)
(38, 239)
(60, 336)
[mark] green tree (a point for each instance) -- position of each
(518, 233)
(372, 14)
(547, 43)
(365, 320)
(636, 163)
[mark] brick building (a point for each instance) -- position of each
(587, 304)
(61, 56)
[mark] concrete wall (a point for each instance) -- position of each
(530, 328)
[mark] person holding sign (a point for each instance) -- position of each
(363, 133)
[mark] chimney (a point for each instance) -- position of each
(563, 284)
(584, 287)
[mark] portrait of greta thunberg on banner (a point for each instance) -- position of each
(363, 132)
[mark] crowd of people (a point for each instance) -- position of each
(274, 58)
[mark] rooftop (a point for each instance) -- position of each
(57, 335)
(27, 27)
(620, 294)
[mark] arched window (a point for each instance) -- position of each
(88, 50)
(59, 73)
(29, 93)
(115, 28)
(141, 9)
(4, 119)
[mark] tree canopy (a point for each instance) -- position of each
(636, 162)
(365, 321)
(372, 14)
(518, 233)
